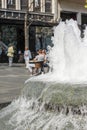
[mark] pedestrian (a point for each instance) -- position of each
(10, 54)
(0, 53)
(0, 50)
(20, 57)
(27, 56)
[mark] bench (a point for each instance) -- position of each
(38, 66)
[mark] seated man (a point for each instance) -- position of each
(46, 62)
(39, 58)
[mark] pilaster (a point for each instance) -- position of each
(55, 10)
(42, 5)
(3, 3)
(18, 4)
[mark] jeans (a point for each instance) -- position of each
(10, 61)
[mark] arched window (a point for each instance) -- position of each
(24, 4)
(11, 4)
(48, 6)
(0, 3)
(36, 5)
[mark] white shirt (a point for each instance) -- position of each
(40, 57)
(27, 54)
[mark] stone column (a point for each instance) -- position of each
(3, 3)
(55, 9)
(18, 5)
(79, 18)
(42, 5)
(59, 10)
(26, 29)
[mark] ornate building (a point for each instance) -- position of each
(30, 22)
(13, 25)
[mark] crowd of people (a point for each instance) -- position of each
(34, 65)
(38, 63)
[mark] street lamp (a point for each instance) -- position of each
(85, 4)
(26, 28)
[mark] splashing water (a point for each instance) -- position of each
(57, 100)
(68, 57)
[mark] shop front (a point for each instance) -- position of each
(39, 37)
(43, 37)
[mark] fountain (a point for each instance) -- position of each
(58, 99)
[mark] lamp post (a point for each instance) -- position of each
(26, 29)
(85, 4)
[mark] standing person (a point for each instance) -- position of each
(10, 54)
(0, 50)
(0, 53)
(27, 56)
(20, 57)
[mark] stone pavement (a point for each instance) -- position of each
(11, 81)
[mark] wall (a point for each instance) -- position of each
(72, 6)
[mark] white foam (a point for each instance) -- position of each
(68, 57)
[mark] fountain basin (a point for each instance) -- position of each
(57, 93)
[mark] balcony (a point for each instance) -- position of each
(20, 15)
(11, 6)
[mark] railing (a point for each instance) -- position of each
(41, 16)
(11, 14)
(20, 15)
(11, 6)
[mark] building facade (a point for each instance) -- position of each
(13, 25)
(73, 9)
(42, 15)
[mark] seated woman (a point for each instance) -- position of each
(38, 59)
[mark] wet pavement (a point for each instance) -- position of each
(12, 81)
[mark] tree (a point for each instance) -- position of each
(29, 21)
(26, 26)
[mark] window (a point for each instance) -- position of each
(0, 3)
(24, 4)
(48, 6)
(36, 5)
(11, 4)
